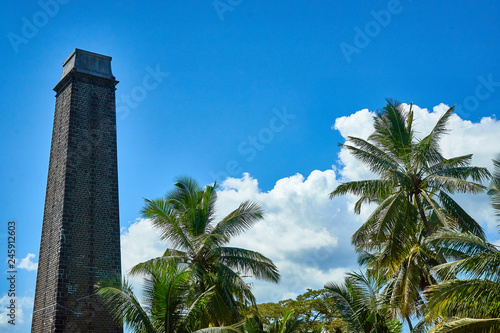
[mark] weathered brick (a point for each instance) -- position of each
(81, 230)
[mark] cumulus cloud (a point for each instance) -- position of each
(295, 209)
(297, 233)
(139, 242)
(305, 233)
(27, 263)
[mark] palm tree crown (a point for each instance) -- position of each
(185, 218)
(363, 303)
(169, 305)
(411, 172)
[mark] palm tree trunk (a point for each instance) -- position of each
(422, 215)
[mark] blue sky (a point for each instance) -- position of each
(239, 86)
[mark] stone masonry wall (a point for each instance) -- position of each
(81, 233)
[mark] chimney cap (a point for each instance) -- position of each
(88, 63)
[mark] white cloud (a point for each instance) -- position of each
(297, 232)
(295, 211)
(139, 242)
(27, 264)
(307, 235)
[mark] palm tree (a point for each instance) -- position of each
(363, 304)
(169, 303)
(413, 199)
(413, 174)
(186, 219)
(287, 324)
(471, 304)
(406, 283)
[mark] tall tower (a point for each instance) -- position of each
(81, 230)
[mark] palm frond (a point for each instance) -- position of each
(165, 219)
(370, 188)
(427, 151)
(172, 258)
(239, 220)
(166, 293)
(494, 188)
(380, 223)
(435, 209)
(454, 162)
(476, 298)
(344, 297)
(376, 161)
(464, 220)
(405, 288)
(484, 265)
(440, 127)
(250, 262)
(393, 131)
(452, 184)
(476, 174)
(468, 325)
(124, 307)
(460, 245)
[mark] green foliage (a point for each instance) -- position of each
(412, 172)
(494, 189)
(471, 304)
(363, 303)
(313, 308)
(287, 324)
(412, 194)
(170, 306)
(185, 218)
(424, 255)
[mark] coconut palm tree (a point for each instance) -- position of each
(169, 306)
(413, 199)
(185, 218)
(471, 304)
(413, 175)
(363, 303)
(406, 283)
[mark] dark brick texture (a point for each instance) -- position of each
(81, 232)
